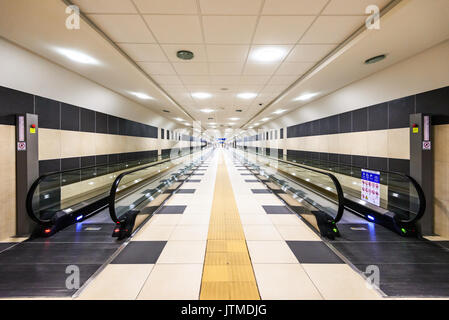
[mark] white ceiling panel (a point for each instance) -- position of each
(195, 80)
(106, 6)
(191, 68)
(231, 7)
(352, 7)
(260, 68)
(158, 68)
(281, 29)
(225, 68)
(298, 7)
(309, 52)
(282, 80)
(170, 80)
(224, 80)
(294, 68)
(332, 29)
(227, 53)
(123, 28)
(167, 6)
(144, 52)
(173, 29)
(254, 79)
(229, 29)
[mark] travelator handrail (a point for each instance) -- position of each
(419, 191)
(339, 190)
(115, 185)
(31, 192)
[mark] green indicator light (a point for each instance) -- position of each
(335, 230)
(403, 230)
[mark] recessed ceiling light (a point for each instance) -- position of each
(375, 59)
(268, 54)
(179, 119)
(185, 55)
(279, 111)
(141, 95)
(201, 95)
(238, 110)
(250, 127)
(207, 110)
(256, 124)
(265, 119)
(306, 96)
(247, 95)
(166, 111)
(231, 123)
(77, 56)
(212, 123)
(234, 119)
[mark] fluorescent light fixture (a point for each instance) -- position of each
(141, 95)
(306, 96)
(250, 127)
(247, 95)
(201, 95)
(234, 119)
(268, 54)
(279, 111)
(231, 123)
(207, 110)
(256, 124)
(265, 119)
(77, 56)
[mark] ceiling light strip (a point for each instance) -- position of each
(323, 61)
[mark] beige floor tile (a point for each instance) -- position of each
(154, 233)
(248, 206)
(198, 209)
(118, 282)
(268, 200)
(261, 232)
(194, 219)
(180, 200)
(257, 219)
(297, 233)
(183, 252)
(339, 281)
(286, 219)
(165, 219)
(270, 252)
(284, 282)
(190, 233)
(173, 282)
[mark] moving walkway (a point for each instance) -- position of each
(402, 201)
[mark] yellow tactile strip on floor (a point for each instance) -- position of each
(228, 273)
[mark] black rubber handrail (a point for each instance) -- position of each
(416, 185)
(116, 183)
(32, 190)
(338, 188)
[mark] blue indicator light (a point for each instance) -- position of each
(79, 218)
(370, 218)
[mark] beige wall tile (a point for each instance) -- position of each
(440, 142)
(8, 185)
(378, 143)
(399, 143)
(49, 144)
(359, 143)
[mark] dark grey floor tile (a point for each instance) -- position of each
(4, 246)
(251, 180)
(55, 252)
(276, 210)
(186, 191)
(193, 180)
(258, 191)
(313, 252)
(40, 280)
(368, 232)
(140, 252)
(172, 210)
(444, 244)
(393, 252)
(83, 232)
(413, 279)
(198, 174)
(247, 174)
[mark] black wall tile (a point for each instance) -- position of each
(435, 102)
(87, 161)
(399, 165)
(324, 126)
(376, 163)
(162, 134)
(360, 161)
(378, 117)
(13, 102)
(101, 160)
(87, 120)
(113, 158)
(49, 113)
(70, 163)
(345, 122)
(334, 125)
(113, 123)
(333, 157)
(344, 159)
(70, 117)
(101, 122)
(47, 166)
(360, 120)
(315, 128)
(281, 133)
(399, 111)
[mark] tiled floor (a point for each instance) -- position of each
(173, 256)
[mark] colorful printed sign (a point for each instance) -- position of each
(371, 186)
